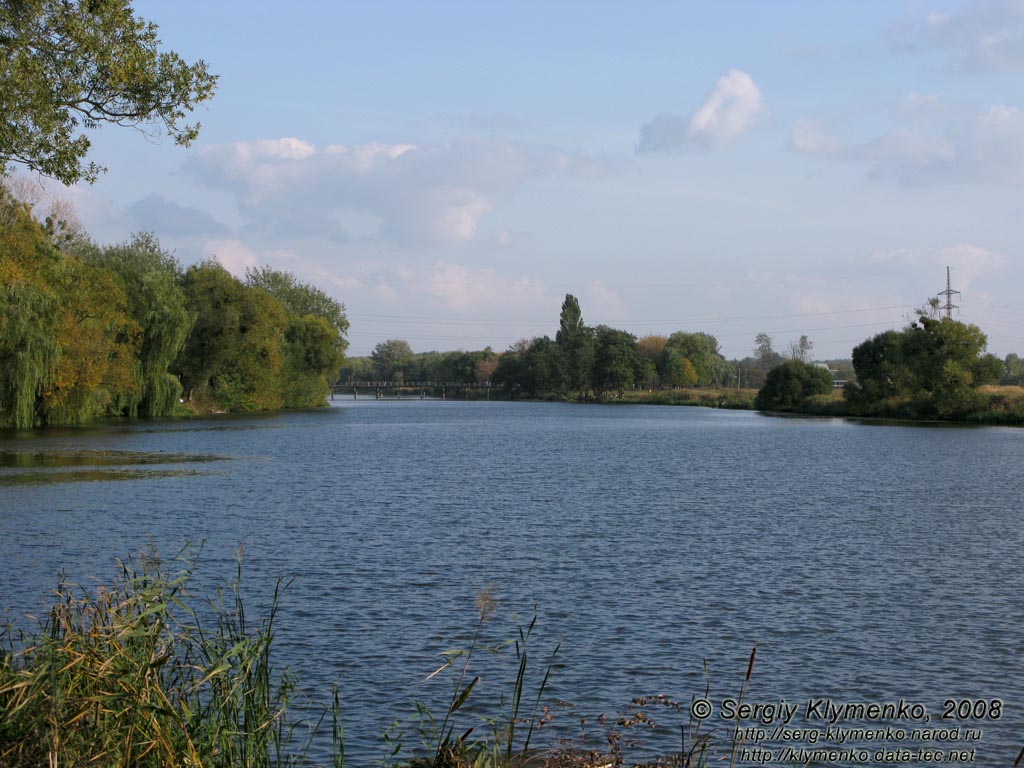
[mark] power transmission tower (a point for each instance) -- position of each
(949, 306)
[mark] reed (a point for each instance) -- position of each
(129, 676)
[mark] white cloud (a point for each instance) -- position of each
(984, 147)
(386, 293)
(234, 255)
(986, 35)
(968, 262)
(733, 107)
(935, 143)
(604, 302)
(405, 193)
(465, 288)
(808, 137)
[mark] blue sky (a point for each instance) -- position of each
(449, 170)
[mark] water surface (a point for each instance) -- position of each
(868, 563)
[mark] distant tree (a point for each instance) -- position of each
(789, 384)
(483, 369)
(356, 369)
(765, 352)
(68, 65)
(702, 350)
(577, 344)
(1013, 370)
(679, 371)
(510, 372)
(935, 363)
(801, 349)
(390, 358)
(617, 362)
(652, 349)
(543, 371)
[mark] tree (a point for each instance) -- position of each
(156, 301)
(68, 65)
(801, 349)
(679, 372)
(544, 368)
(1013, 370)
(701, 349)
(764, 352)
(390, 358)
(787, 385)
(935, 364)
(483, 368)
(301, 298)
(617, 363)
(67, 341)
(577, 344)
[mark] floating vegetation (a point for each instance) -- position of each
(46, 467)
(95, 475)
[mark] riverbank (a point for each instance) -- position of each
(992, 405)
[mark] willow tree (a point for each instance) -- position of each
(156, 302)
(67, 344)
(28, 351)
(98, 344)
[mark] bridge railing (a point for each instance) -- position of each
(394, 384)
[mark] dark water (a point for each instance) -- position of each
(868, 563)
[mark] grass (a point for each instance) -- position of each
(741, 399)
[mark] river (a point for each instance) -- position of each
(869, 563)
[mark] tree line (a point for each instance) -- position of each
(933, 368)
(581, 362)
(124, 330)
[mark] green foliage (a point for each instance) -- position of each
(302, 299)
(577, 344)
(28, 350)
(156, 301)
(617, 363)
(312, 355)
(390, 358)
(215, 299)
(679, 371)
(68, 65)
(116, 331)
(315, 338)
(544, 369)
(1013, 370)
(789, 384)
(932, 368)
(67, 342)
(709, 368)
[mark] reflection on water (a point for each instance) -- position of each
(46, 467)
(93, 475)
(33, 459)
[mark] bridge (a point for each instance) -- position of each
(395, 389)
